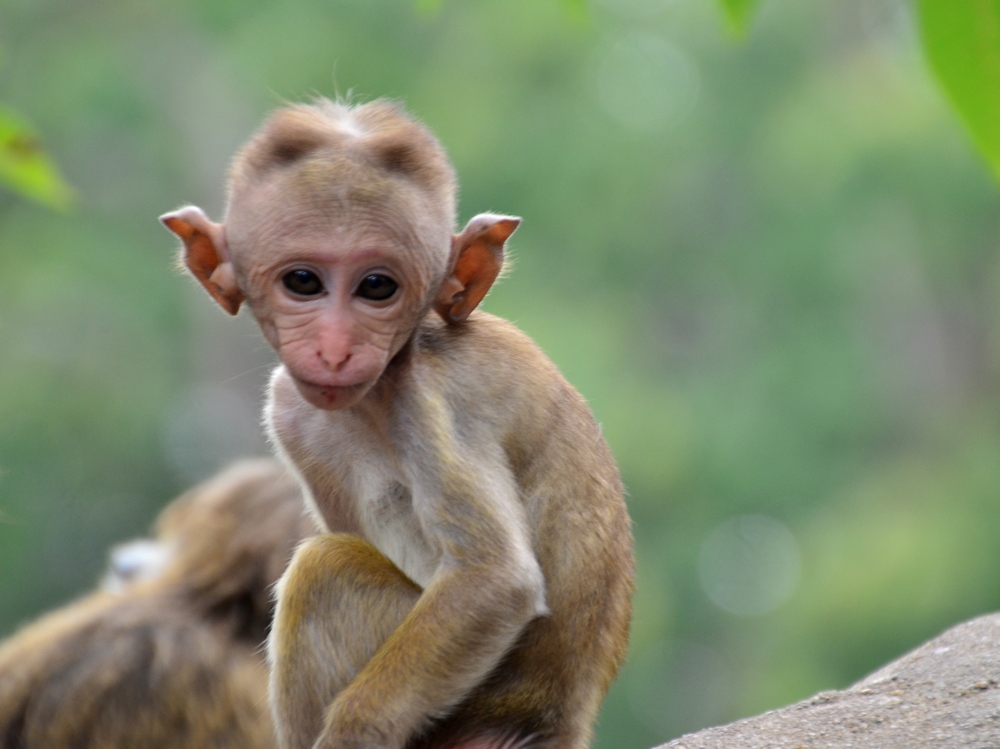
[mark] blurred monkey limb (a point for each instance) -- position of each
(475, 589)
(168, 654)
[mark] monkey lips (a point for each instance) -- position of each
(330, 397)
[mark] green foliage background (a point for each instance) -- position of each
(770, 265)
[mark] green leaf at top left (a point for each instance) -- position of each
(25, 168)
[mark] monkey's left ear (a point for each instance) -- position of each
(206, 255)
(476, 257)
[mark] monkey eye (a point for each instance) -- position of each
(302, 282)
(376, 287)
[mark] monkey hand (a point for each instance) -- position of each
(365, 738)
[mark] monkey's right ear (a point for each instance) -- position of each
(206, 255)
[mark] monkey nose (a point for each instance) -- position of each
(333, 359)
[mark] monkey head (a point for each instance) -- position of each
(338, 235)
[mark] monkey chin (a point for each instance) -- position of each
(331, 397)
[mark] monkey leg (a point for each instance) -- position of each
(338, 602)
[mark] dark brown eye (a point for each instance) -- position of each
(376, 287)
(302, 282)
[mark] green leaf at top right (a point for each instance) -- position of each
(962, 40)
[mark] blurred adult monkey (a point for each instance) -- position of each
(475, 589)
(168, 656)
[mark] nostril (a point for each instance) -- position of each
(333, 362)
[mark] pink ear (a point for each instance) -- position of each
(480, 250)
(206, 255)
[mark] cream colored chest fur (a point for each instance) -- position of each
(353, 482)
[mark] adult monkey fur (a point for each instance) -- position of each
(168, 655)
(475, 587)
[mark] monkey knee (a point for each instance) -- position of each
(339, 561)
(343, 576)
(338, 601)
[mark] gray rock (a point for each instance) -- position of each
(945, 695)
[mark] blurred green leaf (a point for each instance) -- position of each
(576, 8)
(962, 39)
(24, 166)
(738, 12)
(429, 6)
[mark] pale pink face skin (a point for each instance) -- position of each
(335, 344)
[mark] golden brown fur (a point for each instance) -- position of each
(551, 684)
(475, 588)
(170, 659)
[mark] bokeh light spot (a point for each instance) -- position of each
(645, 83)
(750, 565)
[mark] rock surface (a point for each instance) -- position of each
(945, 695)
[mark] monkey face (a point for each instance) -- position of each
(337, 300)
(338, 288)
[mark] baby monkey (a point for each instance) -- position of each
(474, 587)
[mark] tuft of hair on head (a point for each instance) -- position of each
(290, 135)
(400, 144)
(379, 134)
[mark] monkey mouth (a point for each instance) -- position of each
(330, 397)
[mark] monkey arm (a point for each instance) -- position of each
(487, 588)
(452, 638)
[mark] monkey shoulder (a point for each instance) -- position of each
(491, 347)
(496, 373)
(488, 366)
